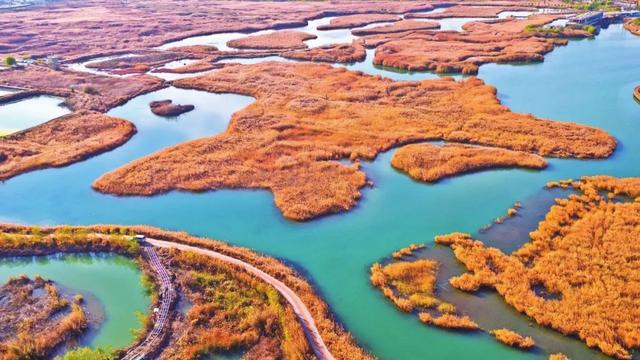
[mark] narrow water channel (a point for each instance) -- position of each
(30, 112)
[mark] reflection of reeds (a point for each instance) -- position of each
(430, 163)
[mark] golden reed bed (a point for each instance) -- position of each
(308, 116)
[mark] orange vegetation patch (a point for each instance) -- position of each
(196, 49)
(168, 108)
(37, 319)
(82, 91)
(461, 11)
(79, 28)
(285, 39)
(308, 116)
(198, 66)
(413, 281)
(353, 21)
(397, 27)
(220, 294)
(61, 142)
(633, 26)
(579, 273)
(481, 43)
(340, 342)
(411, 285)
(449, 321)
(406, 251)
(512, 338)
(341, 53)
(430, 163)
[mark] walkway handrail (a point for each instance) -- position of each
(167, 298)
(302, 313)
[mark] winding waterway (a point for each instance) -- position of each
(588, 81)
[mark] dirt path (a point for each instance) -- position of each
(301, 311)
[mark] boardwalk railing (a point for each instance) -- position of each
(167, 297)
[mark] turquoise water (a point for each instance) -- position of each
(589, 82)
(114, 280)
(30, 112)
(6, 91)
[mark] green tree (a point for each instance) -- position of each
(10, 61)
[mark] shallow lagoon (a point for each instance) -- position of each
(588, 81)
(113, 280)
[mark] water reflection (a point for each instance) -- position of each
(30, 112)
(112, 280)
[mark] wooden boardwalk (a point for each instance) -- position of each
(148, 347)
(167, 297)
(299, 308)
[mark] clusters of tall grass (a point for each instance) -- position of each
(586, 240)
(512, 338)
(411, 286)
(231, 310)
(340, 342)
(307, 117)
(54, 322)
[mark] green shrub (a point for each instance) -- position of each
(90, 90)
(88, 354)
(10, 61)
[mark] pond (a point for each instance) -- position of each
(26, 113)
(114, 281)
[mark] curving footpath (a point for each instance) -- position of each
(299, 308)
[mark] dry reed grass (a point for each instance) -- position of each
(62, 141)
(513, 339)
(430, 163)
(585, 257)
(283, 39)
(308, 116)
